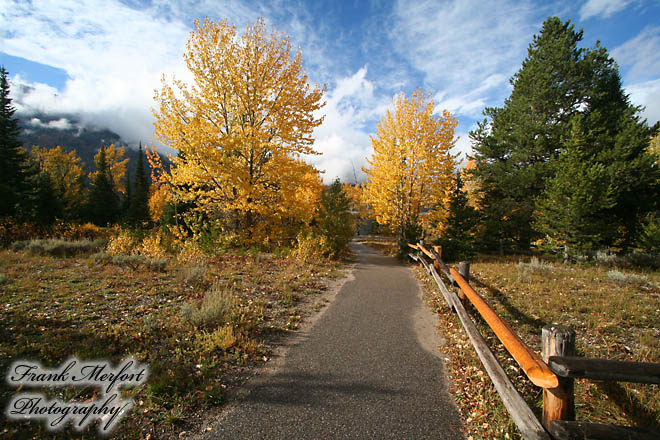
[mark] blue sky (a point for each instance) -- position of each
(102, 59)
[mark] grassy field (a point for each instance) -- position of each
(199, 325)
(615, 313)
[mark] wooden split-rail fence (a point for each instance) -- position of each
(553, 371)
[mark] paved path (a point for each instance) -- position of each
(362, 370)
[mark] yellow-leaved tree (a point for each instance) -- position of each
(241, 128)
(411, 168)
(66, 173)
(116, 163)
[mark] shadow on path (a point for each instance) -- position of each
(360, 372)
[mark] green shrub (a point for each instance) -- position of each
(60, 248)
(650, 237)
(630, 261)
(412, 233)
(132, 261)
(626, 278)
(158, 264)
(102, 258)
(335, 224)
(535, 266)
(19, 245)
(193, 274)
(216, 308)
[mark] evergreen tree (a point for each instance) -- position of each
(458, 237)
(138, 211)
(514, 151)
(649, 240)
(17, 181)
(103, 203)
(335, 218)
(128, 197)
(48, 206)
(572, 210)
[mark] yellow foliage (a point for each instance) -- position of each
(151, 247)
(411, 168)
(190, 253)
(179, 235)
(654, 147)
(471, 184)
(114, 158)
(158, 174)
(357, 201)
(309, 247)
(122, 243)
(66, 174)
(73, 231)
(241, 128)
(158, 200)
(222, 337)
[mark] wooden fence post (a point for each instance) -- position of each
(558, 403)
(464, 270)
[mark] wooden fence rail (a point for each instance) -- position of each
(553, 373)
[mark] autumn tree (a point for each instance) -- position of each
(65, 172)
(359, 209)
(17, 183)
(161, 196)
(241, 127)
(115, 164)
(411, 167)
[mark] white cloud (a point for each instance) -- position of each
(114, 56)
(462, 45)
(642, 54)
(342, 137)
(648, 95)
(58, 124)
(604, 8)
(463, 147)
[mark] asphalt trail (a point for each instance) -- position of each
(368, 368)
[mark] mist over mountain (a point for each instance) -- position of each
(67, 131)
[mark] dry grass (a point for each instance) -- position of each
(613, 320)
(52, 308)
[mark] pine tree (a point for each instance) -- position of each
(17, 183)
(335, 218)
(572, 210)
(127, 199)
(103, 203)
(48, 206)
(458, 237)
(515, 150)
(138, 211)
